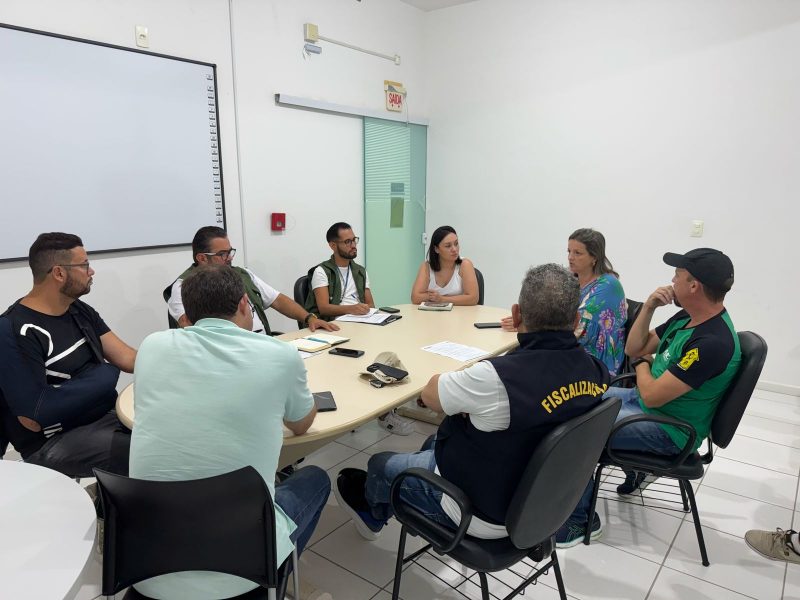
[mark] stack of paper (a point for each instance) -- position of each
(436, 306)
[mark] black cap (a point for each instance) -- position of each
(710, 267)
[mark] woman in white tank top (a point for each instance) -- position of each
(445, 276)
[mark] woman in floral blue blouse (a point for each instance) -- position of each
(603, 309)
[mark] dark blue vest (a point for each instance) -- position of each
(550, 379)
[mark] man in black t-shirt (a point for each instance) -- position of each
(59, 364)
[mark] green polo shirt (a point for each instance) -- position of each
(209, 399)
(705, 357)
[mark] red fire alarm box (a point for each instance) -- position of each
(278, 221)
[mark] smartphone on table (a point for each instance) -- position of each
(324, 401)
(349, 352)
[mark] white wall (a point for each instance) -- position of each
(631, 117)
(310, 164)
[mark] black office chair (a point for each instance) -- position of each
(224, 524)
(479, 276)
(300, 295)
(548, 490)
(173, 324)
(634, 308)
(688, 466)
(3, 441)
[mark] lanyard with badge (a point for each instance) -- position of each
(345, 280)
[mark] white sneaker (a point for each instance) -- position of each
(395, 424)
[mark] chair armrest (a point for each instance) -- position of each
(622, 377)
(447, 488)
(664, 420)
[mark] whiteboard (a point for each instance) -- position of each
(118, 146)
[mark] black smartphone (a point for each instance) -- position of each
(389, 309)
(494, 325)
(339, 351)
(324, 401)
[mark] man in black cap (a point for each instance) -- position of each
(682, 369)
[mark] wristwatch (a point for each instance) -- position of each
(639, 361)
(309, 316)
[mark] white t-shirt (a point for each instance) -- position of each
(268, 294)
(479, 392)
(320, 279)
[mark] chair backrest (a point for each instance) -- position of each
(300, 294)
(479, 276)
(224, 524)
(734, 402)
(173, 324)
(634, 308)
(557, 474)
(3, 440)
(301, 290)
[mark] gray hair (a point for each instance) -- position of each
(549, 298)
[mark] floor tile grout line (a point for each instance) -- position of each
(372, 583)
(424, 568)
(722, 587)
(666, 554)
(711, 487)
(786, 566)
(761, 439)
(755, 465)
(334, 530)
(736, 460)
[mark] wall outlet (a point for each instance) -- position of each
(697, 229)
(142, 37)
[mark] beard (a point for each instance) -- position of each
(347, 254)
(74, 289)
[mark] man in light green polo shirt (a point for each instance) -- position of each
(213, 397)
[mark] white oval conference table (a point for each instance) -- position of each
(356, 400)
(47, 530)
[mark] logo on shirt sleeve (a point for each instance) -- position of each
(689, 359)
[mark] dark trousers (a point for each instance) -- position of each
(105, 444)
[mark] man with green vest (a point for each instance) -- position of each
(211, 246)
(683, 368)
(339, 286)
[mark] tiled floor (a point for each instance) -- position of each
(645, 553)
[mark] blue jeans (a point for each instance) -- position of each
(385, 466)
(302, 496)
(644, 436)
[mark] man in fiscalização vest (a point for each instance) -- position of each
(497, 411)
(211, 246)
(683, 367)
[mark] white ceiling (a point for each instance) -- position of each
(429, 5)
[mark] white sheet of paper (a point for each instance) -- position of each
(456, 351)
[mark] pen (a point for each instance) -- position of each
(313, 339)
